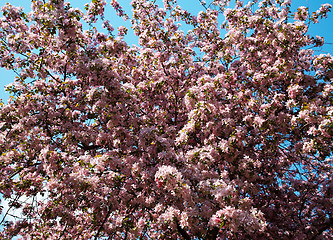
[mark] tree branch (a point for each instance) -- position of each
(102, 224)
(88, 147)
(9, 208)
(212, 233)
(325, 227)
(182, 232)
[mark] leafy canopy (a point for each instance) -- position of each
(223, 131)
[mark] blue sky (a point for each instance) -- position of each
(324, 28)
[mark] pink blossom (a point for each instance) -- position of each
(214, 125)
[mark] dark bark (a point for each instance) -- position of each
(183, 232)
(212, 233)
(325, 227)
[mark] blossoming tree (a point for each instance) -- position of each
(220, 132)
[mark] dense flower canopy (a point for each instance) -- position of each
(222, 131)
